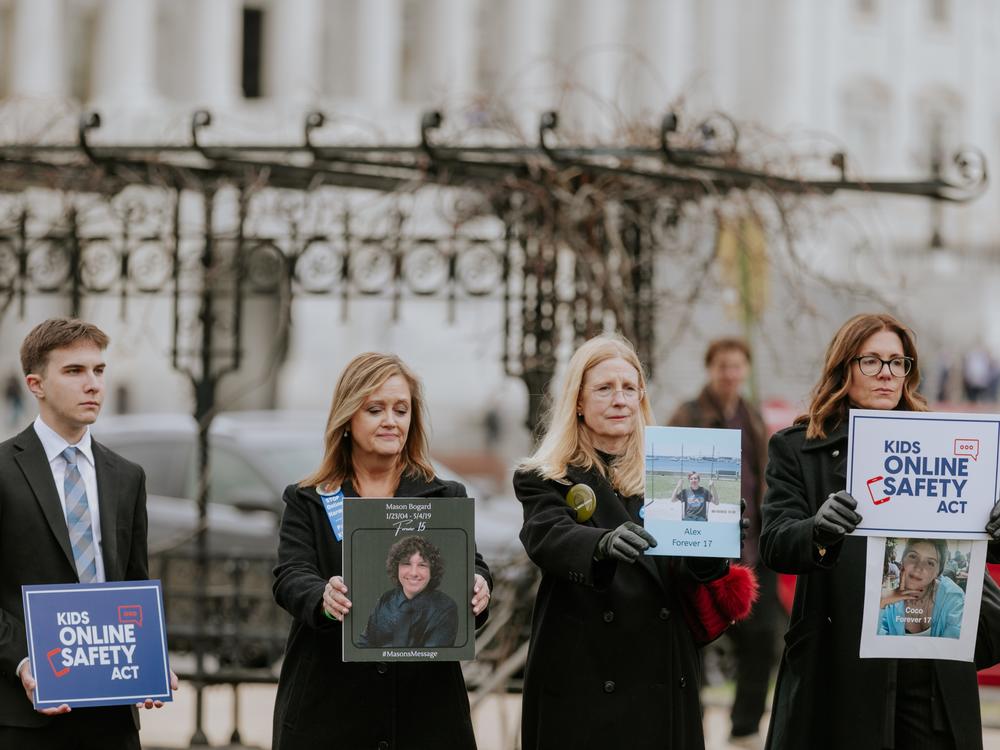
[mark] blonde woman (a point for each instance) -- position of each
(612, 662)
(376, 446)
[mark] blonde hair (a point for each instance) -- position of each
(362, 376)
(829, 403)
(567, 441)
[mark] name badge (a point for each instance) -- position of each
(333, 504)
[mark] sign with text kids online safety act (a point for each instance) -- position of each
(97, 644)
(923, 474)
(409, 565)
(692, 498)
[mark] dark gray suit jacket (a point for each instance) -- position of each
(35, 549)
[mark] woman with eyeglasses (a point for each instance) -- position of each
(826, 695)
(923, 602)
(612, 662)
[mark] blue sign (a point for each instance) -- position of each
(97, 644)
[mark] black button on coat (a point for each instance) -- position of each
(826, 695)
(593, 681)
(323, 701)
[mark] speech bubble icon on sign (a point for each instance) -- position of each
(130, 613)
(967, 447)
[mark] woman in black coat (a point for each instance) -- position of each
(826, 695)
(612, 663)
(375, 447)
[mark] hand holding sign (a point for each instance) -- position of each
(993, 524)
(335, 602)
(480, 594)
(29, 684)
(835, 518)
(150, 703)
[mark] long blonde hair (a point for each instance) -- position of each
(828, 405)
(567, 441)
(362, 376)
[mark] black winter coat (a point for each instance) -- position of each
(826, 695)
(611, 662)
(323, 701)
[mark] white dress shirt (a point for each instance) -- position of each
(54, 444)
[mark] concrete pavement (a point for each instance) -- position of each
(496, 719)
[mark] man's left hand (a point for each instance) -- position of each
(150, 703)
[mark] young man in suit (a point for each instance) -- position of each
(70, 511)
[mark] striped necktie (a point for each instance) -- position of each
(81, 531)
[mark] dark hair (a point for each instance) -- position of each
(405, 548)
(940, 545)
(693, 474)
(726, 344)
(57, 333)
(829, 403)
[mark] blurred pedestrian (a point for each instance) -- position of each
(14, 399)
(375, 446)
(979, 375)
(826, 695)
(612, 663)
(721, 405)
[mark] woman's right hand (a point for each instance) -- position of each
(335, 601)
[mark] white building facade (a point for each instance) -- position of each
(895, 83)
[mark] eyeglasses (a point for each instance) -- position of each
(632, 394)
(870, 365)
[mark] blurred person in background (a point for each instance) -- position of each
(612, 661)
(826, 695)
(14, 400)
(375, 446)
(721, 405)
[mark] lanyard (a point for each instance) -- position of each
(333, 504)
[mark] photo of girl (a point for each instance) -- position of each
(923, 587)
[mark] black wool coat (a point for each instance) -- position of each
(323, 701)
(826, 695)
(35, 548)
(611, 662)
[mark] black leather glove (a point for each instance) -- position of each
(707, 569)
(993, 524)
(744, 523)
(835, 518)
(625, 543)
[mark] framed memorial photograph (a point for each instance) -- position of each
(409, 565)
(692, 497)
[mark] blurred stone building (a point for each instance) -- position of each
(898, 84)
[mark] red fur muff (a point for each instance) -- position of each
(711, 608)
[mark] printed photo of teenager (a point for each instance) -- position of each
(923, 587)
(413, 612)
